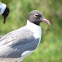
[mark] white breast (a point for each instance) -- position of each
(35, 29)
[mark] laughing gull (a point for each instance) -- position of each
(18, 44)
(4, 11)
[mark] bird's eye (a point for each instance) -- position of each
(36, 15)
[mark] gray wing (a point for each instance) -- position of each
(17, 42)
(14, 37)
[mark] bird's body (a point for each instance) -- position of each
(18, 44)
(24, 40)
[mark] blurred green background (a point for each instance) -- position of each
(50, 48)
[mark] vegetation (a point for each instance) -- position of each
(50, 48)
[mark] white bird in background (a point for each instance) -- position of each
(18, 44)
(4, 11)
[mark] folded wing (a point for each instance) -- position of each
(16, 42)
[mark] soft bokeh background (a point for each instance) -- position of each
(50, 48)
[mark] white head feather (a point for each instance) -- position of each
(2, 8)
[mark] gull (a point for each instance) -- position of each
(20, 43)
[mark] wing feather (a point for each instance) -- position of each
(20, 36)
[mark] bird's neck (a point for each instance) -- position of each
(34, 28)
(31, 24)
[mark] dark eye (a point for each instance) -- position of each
(36, 15)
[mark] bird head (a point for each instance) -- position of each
(4, 11)
(37, 17)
